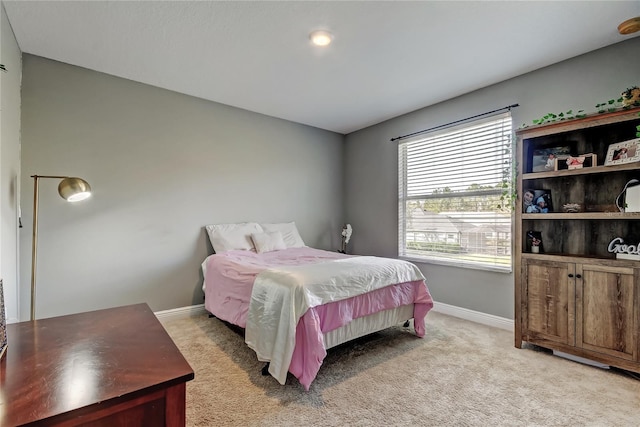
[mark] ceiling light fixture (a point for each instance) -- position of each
(321, 38)
(629, 26)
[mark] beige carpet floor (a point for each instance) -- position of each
(460, 374)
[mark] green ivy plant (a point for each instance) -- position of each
(603, 107)
(613, 104)
(610, 106)
(552, 117)
(509, 195)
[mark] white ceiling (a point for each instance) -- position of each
(387, 58)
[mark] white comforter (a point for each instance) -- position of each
(281, 296)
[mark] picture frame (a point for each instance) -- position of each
(543, 159)
(577, 162)
(534, 242)
(537, 201)
(623, 152)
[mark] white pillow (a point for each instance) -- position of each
(289, 232)
(229, 237)
(268, 242)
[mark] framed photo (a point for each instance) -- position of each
(537, 201)
(544, 159)
(577, 162)
(623, 152)
(534, 242)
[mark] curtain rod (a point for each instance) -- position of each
(509, 107)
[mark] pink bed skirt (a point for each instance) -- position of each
(309, 351)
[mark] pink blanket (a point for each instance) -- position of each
(229, 280)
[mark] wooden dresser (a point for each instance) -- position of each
(110, 367)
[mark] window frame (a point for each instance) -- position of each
(505, 142)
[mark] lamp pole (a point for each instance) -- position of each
(71, 189)
(34, 246)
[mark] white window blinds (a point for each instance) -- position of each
(451, 184)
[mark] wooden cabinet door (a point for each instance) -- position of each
(548, 307)
(606, 315)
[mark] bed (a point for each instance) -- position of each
(295, 302)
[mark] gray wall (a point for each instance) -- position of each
(162, 165)
(9, 165)
(371, 169)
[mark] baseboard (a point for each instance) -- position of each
(474, 316)
(438, 307)
(181, 312)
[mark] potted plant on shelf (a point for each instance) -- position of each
(631, 97)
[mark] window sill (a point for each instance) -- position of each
(457, 264)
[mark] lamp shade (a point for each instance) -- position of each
(74, 189)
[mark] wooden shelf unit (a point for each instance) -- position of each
(575, 296)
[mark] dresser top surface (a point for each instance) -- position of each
(57, 365)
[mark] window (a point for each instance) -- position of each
(451, 189)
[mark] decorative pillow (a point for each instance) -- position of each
(229, 237)
(268, 242)
(289, 232)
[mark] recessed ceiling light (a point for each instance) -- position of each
(629, 26)
(321, 37)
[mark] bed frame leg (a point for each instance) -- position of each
(406, 324)
(265, 369)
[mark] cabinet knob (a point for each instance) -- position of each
(570, 275)
(579, 276)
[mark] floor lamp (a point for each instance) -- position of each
(71, 189)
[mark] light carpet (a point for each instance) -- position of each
(461, 374)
